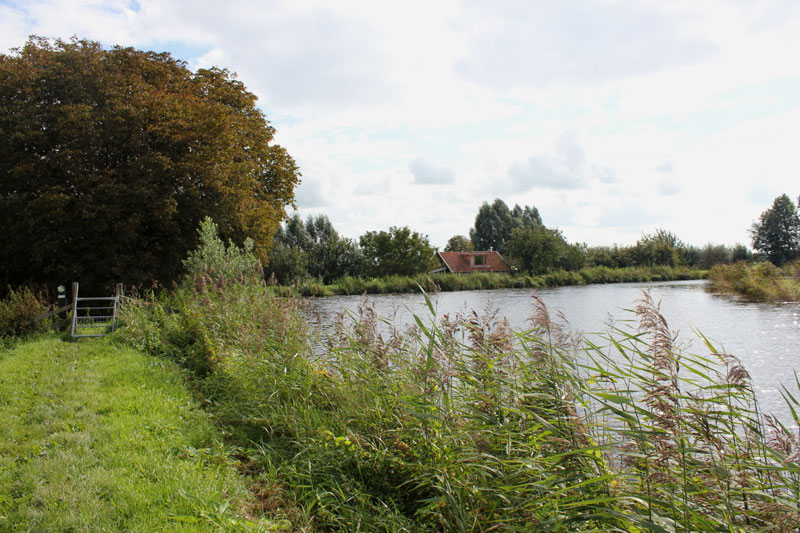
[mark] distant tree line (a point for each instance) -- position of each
(312, 249)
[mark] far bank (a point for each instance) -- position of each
(480, 281)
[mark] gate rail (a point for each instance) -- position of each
(94, 316)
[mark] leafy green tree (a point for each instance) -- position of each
(218, 262)
(741, 253)
(287, 264)
(615, 256)
(459, 243)
(537, 250)
(776, 234)
(710, 255)
(110, 158)
(313, 249)
(525, 217)
(661, 247)
(494, 224)
(398, 251)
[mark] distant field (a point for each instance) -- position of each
(98, 437)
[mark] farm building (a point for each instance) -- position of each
(464, 262)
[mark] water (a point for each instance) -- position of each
(765, 337)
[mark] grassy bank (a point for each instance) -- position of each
(479, 281)
(465, 425)
(761, 282)
(95, 436)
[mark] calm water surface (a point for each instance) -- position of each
(765, 337)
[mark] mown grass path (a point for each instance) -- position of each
(98, 437)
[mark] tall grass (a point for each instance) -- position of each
(484, 280)
(761, 282)
(462, 424)
(19, 310)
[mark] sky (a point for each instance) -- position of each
(613, 117)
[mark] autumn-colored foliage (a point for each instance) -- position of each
(110, 158)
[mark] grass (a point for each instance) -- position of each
(761, 282)
(480, 281)
(95, 436)
(465, 425)
(462, 424)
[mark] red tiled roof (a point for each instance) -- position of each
(460, 262)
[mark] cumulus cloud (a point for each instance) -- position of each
(668, 188)
(566, 168)
(429, 173)
(314, 58)
(629, 216)
(541, 43)
(606, 175)
(299, 55)
(319, 186)
(311, 193)
(12, 28)
(665, 166)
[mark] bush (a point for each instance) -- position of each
(461, 424)
(19, 311)
(761, 282)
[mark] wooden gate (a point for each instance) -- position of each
(94, 316)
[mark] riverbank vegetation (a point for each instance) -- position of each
(461, 424)
(760, 282)
(486, 281)
(311, 258)
(776, 235)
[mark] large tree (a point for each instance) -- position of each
(776, 234)
(397, 251)
(459, 243)
(495, 222)
(313, 249)
(110, 158)
(537, 249)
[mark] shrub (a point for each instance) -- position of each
(19, 311)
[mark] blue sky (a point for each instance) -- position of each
(612, 117)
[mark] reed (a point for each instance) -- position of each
(462, 424)
(761, 282)
(485, 281)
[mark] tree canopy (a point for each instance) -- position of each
(459, 243)
(494, 224)
(537, 250)
(776, 234)
(110, 158)
(313, 249)
(397, 251)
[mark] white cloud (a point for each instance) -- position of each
(540, 43)
(429, 173)
(494, 95)
(665, 166)
(565, 168)
(668, 188)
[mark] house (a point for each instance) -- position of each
(463, 262)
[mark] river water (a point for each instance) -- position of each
(766, 337)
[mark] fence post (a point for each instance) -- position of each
(62, 301)
(74, 307)
(119, 290)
